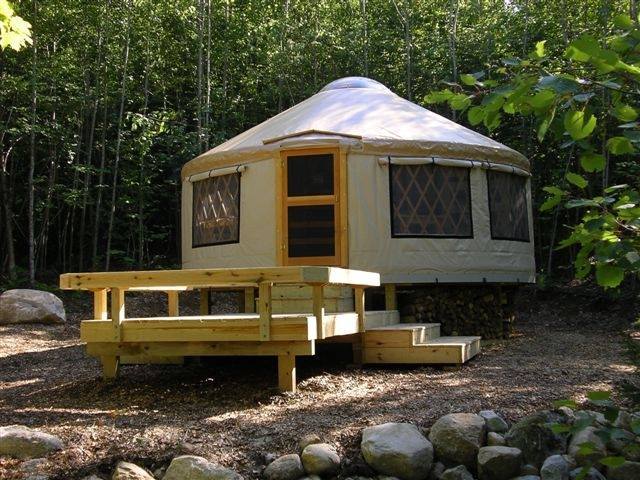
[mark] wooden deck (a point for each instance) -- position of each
(377, 337)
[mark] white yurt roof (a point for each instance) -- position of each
(366, 117)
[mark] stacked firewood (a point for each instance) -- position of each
(487, 311)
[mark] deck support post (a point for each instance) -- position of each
(100, 310)
(110, 366)
(287, 373)
(173, 303)
(358, 345)
(318, 309)
(390, 297)
(264, 309)
(249, 300)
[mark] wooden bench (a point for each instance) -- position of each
(114, 338)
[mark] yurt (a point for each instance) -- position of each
(358, 177)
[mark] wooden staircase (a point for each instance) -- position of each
(416, 343)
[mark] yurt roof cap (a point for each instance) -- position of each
(360, 115)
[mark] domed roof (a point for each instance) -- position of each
(354, 82)
(363, 116)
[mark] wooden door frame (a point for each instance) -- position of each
(340, 200)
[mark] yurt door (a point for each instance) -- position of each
(311, 213)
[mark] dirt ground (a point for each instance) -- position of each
(567, 342)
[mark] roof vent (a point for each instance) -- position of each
(355, 82)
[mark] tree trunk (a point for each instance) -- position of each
(365, 37)
(8, 213)
(116, 161)
(453, 54)
(32, 154)
(200, 56)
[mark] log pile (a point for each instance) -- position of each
(487, 311)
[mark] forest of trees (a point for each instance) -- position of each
(112, 97)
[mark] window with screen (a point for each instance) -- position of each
(430, 201)
(508, 206)
(216, 210)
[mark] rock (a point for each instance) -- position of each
(494, 422)
(587, 434)
(436, 471)
(34, 465)
(596, 418)
(625, 444)
(311, 477)
(320, 459)
(268, 457)
(556, 467)
(626, 471)
(529, 469)
(457, 437)
(286, 467)
(130, 471)
(23, 442)
(457, 473)
(592, 474)
(526, 477)
(499, 463)
(307, 440)
(30, 306)
(397, 449)
(190, 467)
(495, 440)
(623, 420)
(568, 413)
(534, 437)
(92, 477)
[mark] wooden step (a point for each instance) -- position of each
(441, 350)
(401, 334)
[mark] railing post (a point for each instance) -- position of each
(318, 309)
(100, 311)
(359, 301)
(111, 363)
(173, 303)
(287, 373)
(249, 300)
(264, 308)
(204, 301)
(390, 298)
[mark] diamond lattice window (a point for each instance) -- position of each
(508, 206)
(430, 201)
(216, 210)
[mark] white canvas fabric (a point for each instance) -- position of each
(366, 119)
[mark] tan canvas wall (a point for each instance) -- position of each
(257, 246)
(407, 260)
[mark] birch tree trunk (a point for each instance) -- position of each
(453, 44)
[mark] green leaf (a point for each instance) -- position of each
(475, 115)
(609, 276)
(545, 123)
(542, 99)
(592, 162)
(539, 50)
(599, 395)
(583, 48)
(558, 428)
(620, 145)
(550, 203)
(492, 119)
(553, 190)
(624, 112)
(577, 180)
(459, 101)
(579, 123)
(581, 202)
(468, 79)
(623, 21)
(439, 96)
(565, 403)
(612, 461)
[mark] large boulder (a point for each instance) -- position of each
(556, 467)
(30, 306)
(320, 459)
(592, 474)
(457, 437)
(286, 467)
(23, 442)
(191, 467)
(495, 440)
(307, 440)
(587, 435)
(499, 463)
(130, 471)
(456, 473)
(494, 422)
(533, 435)
(397, 449)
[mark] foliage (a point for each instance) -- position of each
(15, 32)
(584, 101)
(608, 431)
